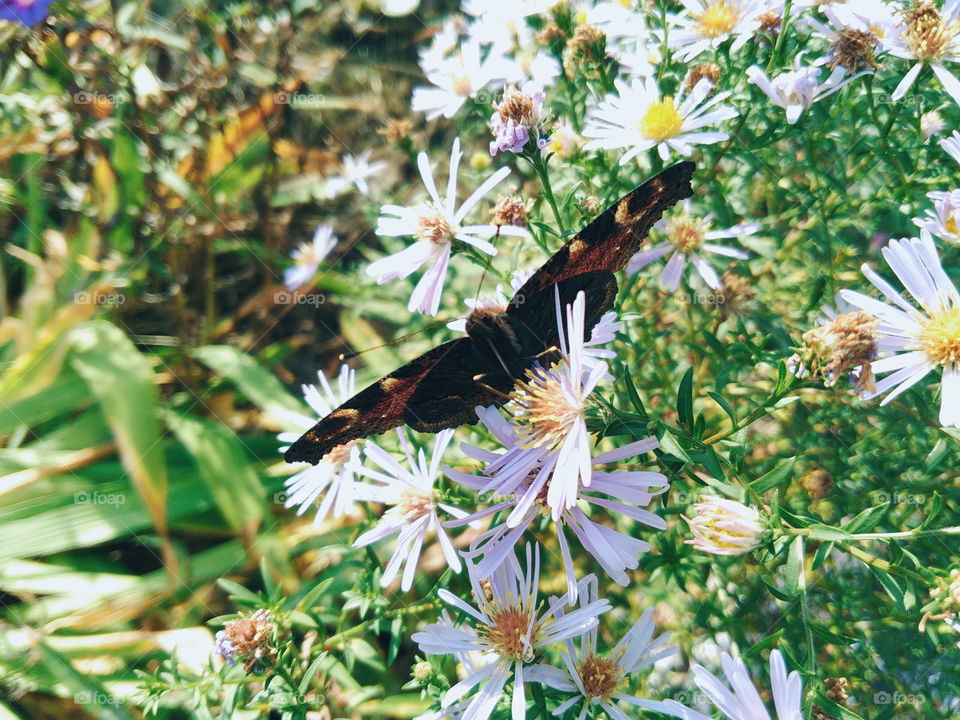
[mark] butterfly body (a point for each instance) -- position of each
(441, 388)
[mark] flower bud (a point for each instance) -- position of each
(724, 527)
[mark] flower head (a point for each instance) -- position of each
(507, 623)
(944, 220)
(308, 256)
(951, 145)
(920, 339)
(708, 23)
(247, 638)
(515, 117)
(844, 343)
(688, 237)
(638, 118)
(931, 123)
(356, 170)
(601, 678)
(797, 90)
(724, 527)
(929, 36)
(435, 223)
(458, 77)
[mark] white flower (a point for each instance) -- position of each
(636, 117)
(563, 140)
(600, 680)
(744, 702)
(797, 90)
(951, 145)
(356, 170)
(944, 220)
(435, 224)
(334, 477)
(724, 527)
(637, 58)
(457, 78)
(932, 38)
(508, 622)
(931, 123)
(522, 476)
(876, 19)
(687, 236)
(708, 23)
(409, 490)
(308, 256)
(920, 339)
(502, 22)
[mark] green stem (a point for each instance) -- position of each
(540, 167)
(340, 638)
(903, 535)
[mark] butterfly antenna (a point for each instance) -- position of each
(349, 355)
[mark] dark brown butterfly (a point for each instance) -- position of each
(441, 388)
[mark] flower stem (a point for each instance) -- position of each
(540, 167)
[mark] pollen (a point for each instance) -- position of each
(719, 18)
(508, 633)
(686, 233)
(853, 49)
(434, 226)
(545, 408)
(601, 677)
(929, 37)
(415, 503)
(939, 338)
(661, 120)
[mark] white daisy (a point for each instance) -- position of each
(334, 477)
(920, 339)
(636, 117)
(458, 77)
(601, 680)
(951, 145)
(523, 476)
(308, 256)
(687, 236)
(356, 170)
(508, 622)
(724, 527)
(436, 224)
(409, 490)
(797, 90)
(944, 220)
(744, 702)
(929, 37)
(709, 23)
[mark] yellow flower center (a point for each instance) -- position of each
(544, 408)
(951, 224)
(461, 85)
(661, 120)
(718, 19)
(507, 633)
(929, 37)
(415, 503)
(434, 226)
(686, 233)
(939, 338)
(600, 677)
(340, 454)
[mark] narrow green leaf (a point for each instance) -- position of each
(685, 399)
(780, 475)
(793, 569)
(255, 382)
(725, 406)
(826, 532)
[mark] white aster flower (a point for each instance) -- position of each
(637, 59)
(944, 220)
(929, 37)
(523, 477)
(356, 170)
(708, 23)
(335, 476)
(413, 513)
(502, 23)
(931, 123)
(920, 339)
(724, 527)
(508, 622)
(797, 90)
(308, 256)
(563, 140)
(636, 117)
(436, 224)
(744, 702)
(458, 77)
(951, 145)
(855, 29)
(687, 237)
(601, 680)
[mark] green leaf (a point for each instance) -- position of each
(236, 591)
(780, 475)
(669, 444)
(727, 408)
(793, 570)
(834, 709)
(685, 399)
(819, 531)
(867, 520)
(122, 381)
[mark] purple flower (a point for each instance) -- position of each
(510, 137)
(27, 12)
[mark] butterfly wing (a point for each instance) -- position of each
(615, 235)
(385, 404)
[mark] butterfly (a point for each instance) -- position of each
(441, 388)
